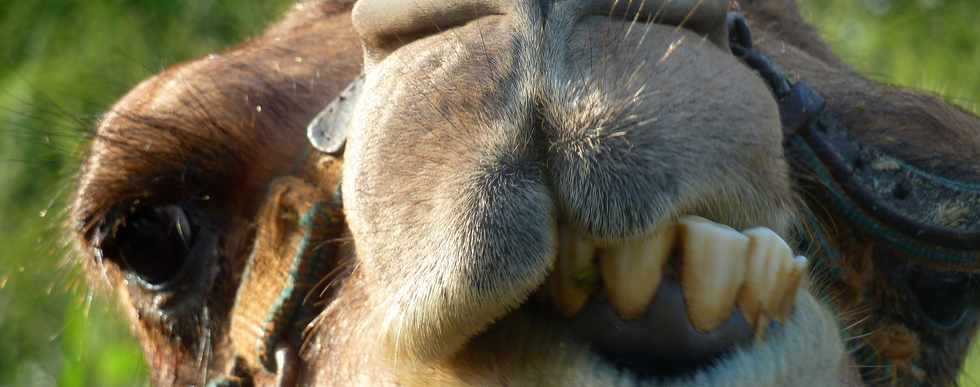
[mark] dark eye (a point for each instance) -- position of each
(945, 298)
(153, 244)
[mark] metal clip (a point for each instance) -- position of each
(329, 129)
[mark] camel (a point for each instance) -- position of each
(532, 193)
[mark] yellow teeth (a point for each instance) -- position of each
(720, 269)
(797, 268)
(772, 279)
(632, 271)
(712, 270)
(768, 257)
(575, 273)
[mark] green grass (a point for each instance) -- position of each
(64, 61)
(926, 44)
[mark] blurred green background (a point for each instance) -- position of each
(62, 62)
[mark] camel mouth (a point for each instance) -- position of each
(676, 301)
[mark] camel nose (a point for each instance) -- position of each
(386, 25)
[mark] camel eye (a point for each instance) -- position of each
(945, 298)
(153, 244)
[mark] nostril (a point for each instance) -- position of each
(662, 343)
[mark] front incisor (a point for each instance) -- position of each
(712, 270)
(632, 271)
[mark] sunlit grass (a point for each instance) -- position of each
(926, 44)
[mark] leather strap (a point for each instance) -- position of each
(896, 203)
(295, 247)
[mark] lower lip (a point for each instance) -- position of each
(662, 342)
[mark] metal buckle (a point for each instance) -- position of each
(329, 129)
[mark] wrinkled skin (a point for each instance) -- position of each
(471, 144)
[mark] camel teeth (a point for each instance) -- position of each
(575, 273)
(720, 269)
(761, 325)
(767, 255)
(796, 271)
(712, 270)
(631, 271)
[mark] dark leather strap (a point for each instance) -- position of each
(920, 215)
(296, 245)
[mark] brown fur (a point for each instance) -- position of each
(216, 132)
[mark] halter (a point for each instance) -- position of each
(294, 249)
(888, 199)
